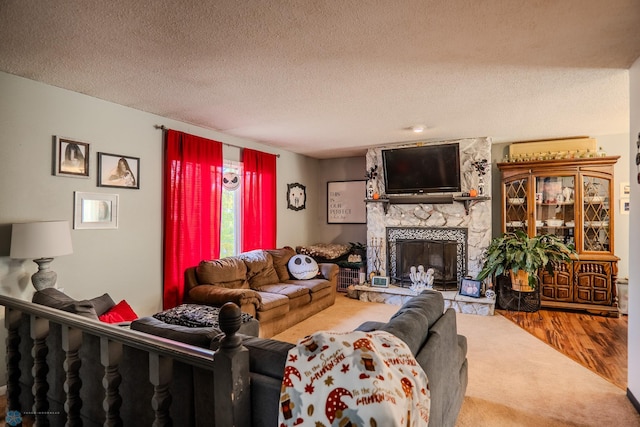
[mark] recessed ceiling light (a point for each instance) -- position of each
(418, 128)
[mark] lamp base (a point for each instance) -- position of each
(44, 277)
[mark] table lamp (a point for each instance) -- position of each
(41, 241)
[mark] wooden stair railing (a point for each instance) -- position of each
(229, 365)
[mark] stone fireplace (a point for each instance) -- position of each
(391, 226)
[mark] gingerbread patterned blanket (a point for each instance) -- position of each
(353, 379)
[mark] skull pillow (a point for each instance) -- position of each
(303, 267)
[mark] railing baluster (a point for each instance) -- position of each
(12, 322)
(28, 324)
(160, 375)
(39, 333)
(110, 356)
(231, 373)
(71, 342)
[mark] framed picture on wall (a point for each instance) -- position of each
(71, 157)
(345, 202)
(95, 210)
(115, 170)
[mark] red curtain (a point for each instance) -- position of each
(258, 200)
(192, 207)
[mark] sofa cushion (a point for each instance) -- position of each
(52, 297)
(201, 337)
(218, 296)
(280, 259)
(314, 285)
(274, 306)
(289, 290)
(230, 272)
(271, 301)
(412, 327)
(102, 303)
(260, 269)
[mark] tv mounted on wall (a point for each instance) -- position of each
(422, 169)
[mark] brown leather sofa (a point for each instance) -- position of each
(260, 283)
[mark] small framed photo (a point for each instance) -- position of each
(625, 189)
(71, 157)
(95, 211)
(380, 281)
(115, 170)
(470, 288)
(624, 205)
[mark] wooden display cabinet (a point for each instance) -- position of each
(573, 199)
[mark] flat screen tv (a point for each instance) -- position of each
(423, 169)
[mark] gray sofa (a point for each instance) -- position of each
(428, 330)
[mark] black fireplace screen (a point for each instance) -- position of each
(440, 255)
(442, 248)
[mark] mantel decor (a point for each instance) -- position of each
(345, 202)
(115, 170)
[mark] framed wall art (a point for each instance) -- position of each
(95, 210)
(296, 196)
(115, 170)
(71, 157)
(345, 202)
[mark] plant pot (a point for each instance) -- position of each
(520, 281)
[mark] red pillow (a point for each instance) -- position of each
(121, 312)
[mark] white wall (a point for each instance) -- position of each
(126, 262)
(634, 240)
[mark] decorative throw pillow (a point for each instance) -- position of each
(194, 316)
(52, 297)
(102, 304)
(281, 258)
(121, 312)
(303, 267)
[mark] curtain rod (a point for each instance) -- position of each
(163, 127)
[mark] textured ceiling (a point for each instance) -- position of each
(330, 78)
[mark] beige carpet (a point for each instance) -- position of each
(514, 378)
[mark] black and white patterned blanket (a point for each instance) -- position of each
(194, 316)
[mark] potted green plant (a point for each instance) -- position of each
(522, 256)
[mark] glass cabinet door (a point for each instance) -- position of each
(555, 206)
(516, 204)
(596, 214)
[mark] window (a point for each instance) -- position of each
(230, 229)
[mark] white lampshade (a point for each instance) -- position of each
(33, 240)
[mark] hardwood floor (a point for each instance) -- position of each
(598, 343)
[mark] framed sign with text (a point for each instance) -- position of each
(345, 202)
